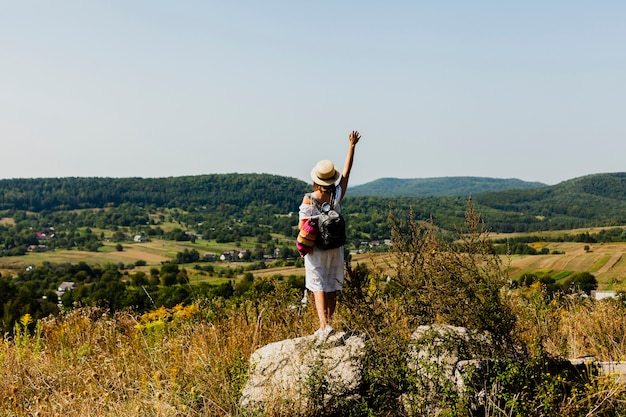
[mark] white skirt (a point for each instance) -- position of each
(324, 270)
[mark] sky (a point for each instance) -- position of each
(534, 90)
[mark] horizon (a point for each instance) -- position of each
(308, 180)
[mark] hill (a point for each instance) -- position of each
(592, 200)
(438, 187)
(255, 199)
(210, 191)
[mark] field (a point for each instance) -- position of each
(605, 261)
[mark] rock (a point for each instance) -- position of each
(443, 360)
(303, 375)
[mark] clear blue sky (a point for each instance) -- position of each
(534, 90)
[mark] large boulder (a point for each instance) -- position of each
(302, 375)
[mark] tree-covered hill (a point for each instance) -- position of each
(593, 200)
(209, 191)
(438, 187)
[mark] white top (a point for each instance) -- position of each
(323, 267)
(308, 211)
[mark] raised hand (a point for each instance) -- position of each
(354, 137)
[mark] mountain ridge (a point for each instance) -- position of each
(439, 186)
(592, 200)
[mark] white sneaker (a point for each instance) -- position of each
(322, 334)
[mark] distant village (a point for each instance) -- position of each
(228, 256)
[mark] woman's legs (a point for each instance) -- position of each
(330, 300)
(320, 306)
(325, 303)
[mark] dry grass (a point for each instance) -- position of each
(186, 361)
(7, 221)
(572, 326)
(193, 361)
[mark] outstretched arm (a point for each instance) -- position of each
(353, 137)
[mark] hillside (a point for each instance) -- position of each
(254, 200)
(592, 200)
(210, 191)
(438, 187)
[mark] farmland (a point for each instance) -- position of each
(606, 261)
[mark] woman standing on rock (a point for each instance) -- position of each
(324, 267)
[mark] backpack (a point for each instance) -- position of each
(331, 226)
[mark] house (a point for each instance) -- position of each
(44, 236)
(599, 295)
(66, 286)
(140, 238)
(210, 257)
(227, 256)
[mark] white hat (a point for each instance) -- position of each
(325, 173)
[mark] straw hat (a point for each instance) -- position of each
(325, 173)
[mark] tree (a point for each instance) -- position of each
(139, 279)
(187, 256)
(582, 281)
(245, 284)
(169, 273)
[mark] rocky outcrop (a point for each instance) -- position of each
(303, 375)
(448, 369)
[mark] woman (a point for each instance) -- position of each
(324, 268)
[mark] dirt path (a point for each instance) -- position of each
(609, 264)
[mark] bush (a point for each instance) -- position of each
(452, 279)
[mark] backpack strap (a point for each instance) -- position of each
(317, 205)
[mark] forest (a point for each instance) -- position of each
(84, 213)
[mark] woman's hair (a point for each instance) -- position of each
(329, 188)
